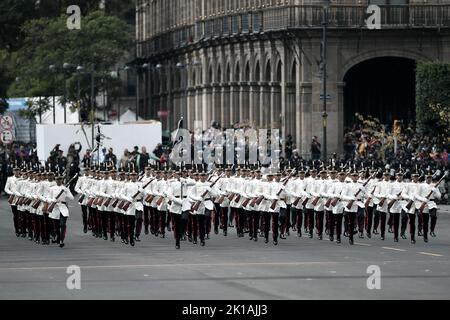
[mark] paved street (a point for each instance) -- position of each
(227, 268)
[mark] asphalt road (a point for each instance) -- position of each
(226, 268)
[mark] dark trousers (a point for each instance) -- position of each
(112, 224)
(425, 220)
(121, 222)
(36, 226)
(224, 218)
(216, 216)
(327, 220)
(383, 223)
(266, 224)
(419, 221)
(198, 226)
(338, 221)
(433, 218)
(162, 222)
(15, 219)
(310, 220)
(376, 219)
(62, 228)
(285, 219)
(146, 218)
(396, 223)
(240, 220)
(57, 229)
(177, 227)
(390, 220)
(208, 218)
(104, 215)
(331, 221)
(130, 225)
(45, 235)
(255, 223)
(319, 218)
(404, 222)
(84, 216)
(275, 217)
(306, 218)
(412, 225)
(361, 219)
(152, 220)
(139, 220)
(369, 219)
(30, 223)
(351, 224)
(299, 221)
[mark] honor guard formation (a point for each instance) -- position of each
(192, 203)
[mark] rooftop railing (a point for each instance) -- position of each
(292, 17)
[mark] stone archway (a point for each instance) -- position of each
(382, 87)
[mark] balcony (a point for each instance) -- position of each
(298, 17)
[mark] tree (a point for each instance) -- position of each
(97, 46)
(4, 80)
(433, 97)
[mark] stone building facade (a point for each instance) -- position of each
(259, 61)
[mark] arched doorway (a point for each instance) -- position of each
(381, 87)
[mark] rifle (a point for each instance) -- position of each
(422, 207)
(274, 202)
(127, 204)
(411, 202)
(366, 204)
(392, 202)
(11, 199)
(350, 204)
(80, 200)
(196, 205)
(51, 207)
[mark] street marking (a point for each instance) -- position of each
(183, 265)
(431, 254)
(395, 249)
(363, 244)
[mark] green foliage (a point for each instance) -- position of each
(4, 80)
(98, 45)
(433, 97)
(36, 108)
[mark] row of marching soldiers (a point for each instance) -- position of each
(38, 204)
(194, 203)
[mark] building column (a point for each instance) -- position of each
(306, 117)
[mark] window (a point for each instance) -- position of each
(389, 2)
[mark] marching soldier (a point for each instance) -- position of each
(352, 194)
(131, 193)
(369, 203)
(175, 196)
(60, 212)
(80, 188)
(147, 196)
(11, 190)
(396, 202)
(427, 194)
(382, 191)
(311, 187)
(410, 193)
(299, 194)
(335, 193)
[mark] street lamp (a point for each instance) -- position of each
(53, 69)
(324, 75)
(66, 66)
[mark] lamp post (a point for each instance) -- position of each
(324, 76)
(66, 66)
(80, 70)
(52, 69)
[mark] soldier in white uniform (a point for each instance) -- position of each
(80, 187)
(146, 179)
(238, 187)
(428, 193)
(396, 202)
(131, 192)
(224, 202)
(382, 191)
(161, 203)
(10, 189)
(352, 195)
(410, 193)
(299, 195)
(319, 208)
(60, 213)
(197, 194)
(175, 197)
(45, 192)
(369, 202)
(336, 217)
(309, 207)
